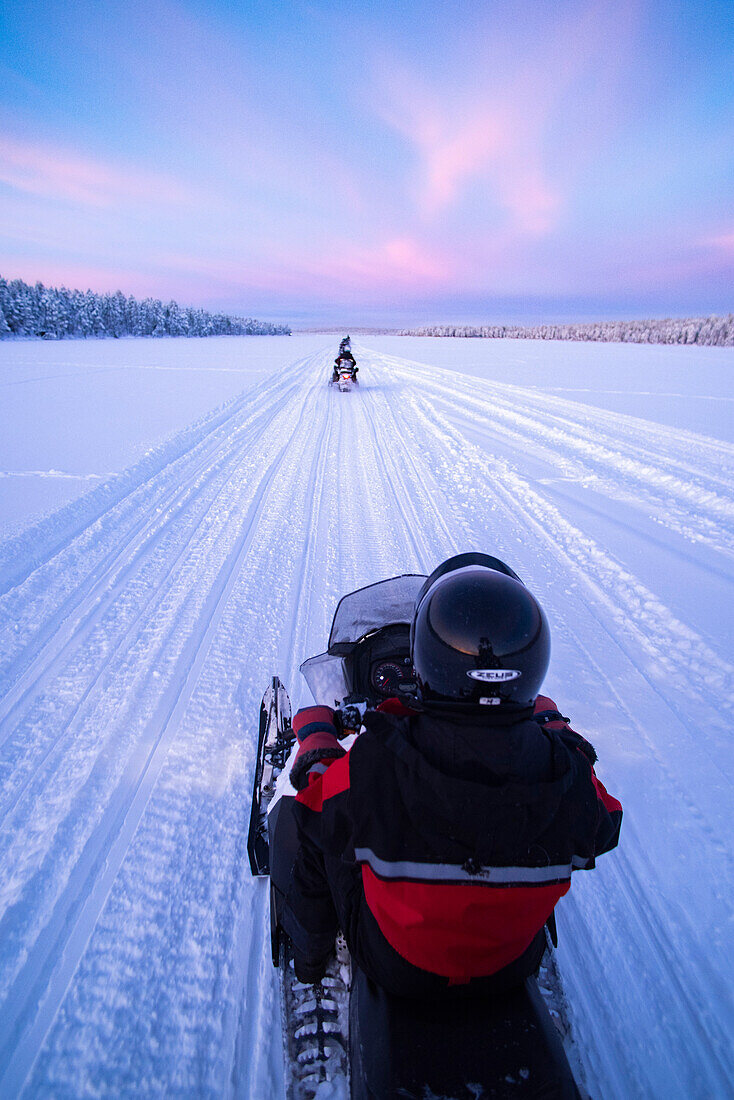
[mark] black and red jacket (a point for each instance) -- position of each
(440, 844)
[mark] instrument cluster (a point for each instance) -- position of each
(391, 676)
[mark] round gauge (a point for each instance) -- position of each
(387, 676)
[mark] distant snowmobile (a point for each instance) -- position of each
(344, 1027)
(344, 375)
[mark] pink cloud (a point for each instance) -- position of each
(723, 241)
(394, 262)
(451, 160)
(459, 143)
(337, 271)
(38, 169)
(491, 126)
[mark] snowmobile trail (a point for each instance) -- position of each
(139, 627)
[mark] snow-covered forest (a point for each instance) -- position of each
(718, 331)
(57, 312)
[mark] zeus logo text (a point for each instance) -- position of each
(494, 675)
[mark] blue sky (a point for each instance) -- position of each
(367, 163)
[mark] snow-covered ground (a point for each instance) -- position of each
(74, 412)
(140, 623)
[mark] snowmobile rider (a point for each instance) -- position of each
(344, 358)
(442, 840)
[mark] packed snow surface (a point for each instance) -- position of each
(72, 412)
(139, 625)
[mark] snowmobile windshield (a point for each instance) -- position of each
(386, 603)
(327, 679)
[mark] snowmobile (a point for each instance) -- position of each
(345, 374)
(345, 1028)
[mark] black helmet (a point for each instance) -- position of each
(479, 637)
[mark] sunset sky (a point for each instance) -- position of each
(371, 163)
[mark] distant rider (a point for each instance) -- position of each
(345, 358)
(441, 842)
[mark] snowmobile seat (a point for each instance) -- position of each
(458, 1046)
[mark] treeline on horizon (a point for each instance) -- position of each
(711, 331)
(57, 313)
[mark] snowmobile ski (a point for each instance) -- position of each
(274, 744)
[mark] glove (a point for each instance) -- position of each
(545, 711)
(313, 720)
(546, 714)
(314, 727)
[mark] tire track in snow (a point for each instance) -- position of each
(101, 590)
(171, 499)
(111, 837)
(257, 1002)
(26, 554)
(52, 657)
(668, 651)
(721, 671)
(714, 458)
(695, 502)
(272, 522)
(409, 487)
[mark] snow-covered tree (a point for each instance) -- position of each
(58, 312)
(690, 330)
